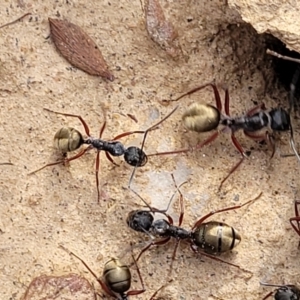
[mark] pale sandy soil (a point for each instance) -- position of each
(59, 205)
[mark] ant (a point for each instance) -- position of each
(205, 117)
(117, 278)
(68, 139)
(210, 239)
(284, 292)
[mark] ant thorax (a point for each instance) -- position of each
(252, 123)
(114, 148)
(162, 228)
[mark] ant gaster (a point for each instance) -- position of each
(117, 278)
(68, 139)
(205, 117)
(209, 238)
(283, 292)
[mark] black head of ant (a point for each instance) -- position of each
(283, 292)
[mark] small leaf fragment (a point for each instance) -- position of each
(160, 30)
(78, 48)
(65, 287)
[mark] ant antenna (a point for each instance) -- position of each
(153, 127)
(270, 284)
(162, 211)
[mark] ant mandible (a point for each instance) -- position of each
(283, 292)
(205, 117)
(68, 139)
(210, 239)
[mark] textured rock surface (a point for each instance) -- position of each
(58, 205)
(280, 18)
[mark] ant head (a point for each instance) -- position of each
(288, 292)
(140, 220)
(135, 157)
(283, 292)
(280, 119)
(201, 117)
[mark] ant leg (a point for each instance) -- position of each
(62, 161)
(110, 159)
(207, 141)
(153, 243)
(86, 128)
(98, 163)
(126, 134)
(137, 292)
(268, 295)
(263, 137)
(163, 286)
(230, 172)
(296, 219)
(216, 92)
(201, 220)
(256, 109)
(174, 255)
(218, 259)
(103, 285)
(227, 99)
(97, 175)
(238, 145)
(243, 153)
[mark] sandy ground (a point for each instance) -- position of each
(58, 206)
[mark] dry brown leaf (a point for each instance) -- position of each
(78, 48)
(160, 30)
(66, 287)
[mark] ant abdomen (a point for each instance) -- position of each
(201, 117)
(117, 276)
(67, 139)
(215, 237)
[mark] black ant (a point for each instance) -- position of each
(117, 278)
(68, 139)
(210, 239)
(205, 117)
(283, 292)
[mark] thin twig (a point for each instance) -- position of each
(13, 22)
